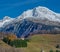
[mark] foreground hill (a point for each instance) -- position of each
(45, 42)
(36, 43)
(3, 44)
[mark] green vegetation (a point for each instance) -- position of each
(58, 46)
(6, 40)
(16, 43)
(51, 50)
(57, 51)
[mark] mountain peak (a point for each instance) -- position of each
(37, 20)
(5, 21)
(42, 13)
(6, 18)
(39, 14)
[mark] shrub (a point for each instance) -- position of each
(51, 50)
(5, 40)
(19, 43)
(16, 42)
(57, 51)
(58, 46)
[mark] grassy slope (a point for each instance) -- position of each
(45, 42)
(3, 44)
(38, 42)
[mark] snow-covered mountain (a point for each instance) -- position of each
(35, 20)
(38, 14)
(6, 20)
(41, 15)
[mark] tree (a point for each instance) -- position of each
(12, 37)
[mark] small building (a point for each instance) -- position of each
(22, 38)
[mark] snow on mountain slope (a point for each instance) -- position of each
(40, 14)
(36, 20)
(5, 21)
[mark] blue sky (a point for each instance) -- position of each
(14, 8)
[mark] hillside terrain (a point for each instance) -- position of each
(38, 42)
(45, 42)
